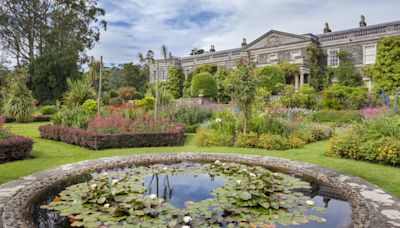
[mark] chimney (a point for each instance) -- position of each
(327, 29)
(362, 22)
(244, 42)
(212, 49)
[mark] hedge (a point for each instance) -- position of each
(204, 83)
(98, 141)
(15, 148)
(35, 119)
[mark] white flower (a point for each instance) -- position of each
(244, 170)
(310, 203)
(187, 219)
(217, 162)
(114, 181)
(106, 205)
(185, 226)
(276, 174)
(238, 181)
(93, 186)
(105, 174)
(223, 164)
(252, 175)
(165, 168)
(218, 120)
(153, 196)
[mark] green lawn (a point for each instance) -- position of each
(49, 154)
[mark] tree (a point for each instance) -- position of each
(385, 72)
(115, 76)
(19, 101)
(132, 75)
(220, 76)
(271, 78)
(175, 81)
(242, 84)
(210, 68)
(320, 79)
(49, 73)
(345, 72)
(29, 28)
(204, 84)
(289, 70)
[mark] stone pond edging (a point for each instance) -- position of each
(371, 206)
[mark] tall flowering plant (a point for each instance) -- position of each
(371, 113)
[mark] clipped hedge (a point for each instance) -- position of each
(15, 148)
(98, 141)
(204, 83)
(35, 119)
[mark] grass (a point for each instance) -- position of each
(48, 154)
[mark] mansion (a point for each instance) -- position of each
(274, 46)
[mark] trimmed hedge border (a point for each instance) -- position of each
(35, 119)
(98, 141)
(15, 148)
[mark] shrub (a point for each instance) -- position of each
(100, 141)
(147, 103)
(204, 84)
(19, 101)
(272, 142)
(343, 97)
(48, 109)
(137, 96)
(347, 146)
(271, 77)
(247, 140)
(295, 142)
(90, 105)
(268, 124)
(113, 94)
(78, 92)
(190, 116)
(321, 131)
(4, 131)
(116, 101)
(15, 148)
(126, 93)
(72, 117)
(209, 137)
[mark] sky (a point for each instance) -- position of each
(139, 25)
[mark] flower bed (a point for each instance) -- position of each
(15, 148)
(99, 141)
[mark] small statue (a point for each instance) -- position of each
(327, 29)
(212, 49)
(362, 22)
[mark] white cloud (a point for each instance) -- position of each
(186, 24)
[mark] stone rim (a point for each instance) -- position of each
(371, 206)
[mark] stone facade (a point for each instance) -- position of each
(276, 45)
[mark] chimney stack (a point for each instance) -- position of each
(212, 49)
(362, 22)
(244, 42)
(327, 29)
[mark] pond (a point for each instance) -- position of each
(191, 195)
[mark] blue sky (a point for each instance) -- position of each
(139, 25)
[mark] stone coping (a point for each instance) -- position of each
(371, 206)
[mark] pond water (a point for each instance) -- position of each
(181, 188)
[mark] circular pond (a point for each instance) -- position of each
(191, 194)
(193, 190)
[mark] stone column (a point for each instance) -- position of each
(301, 80)
(296, 83)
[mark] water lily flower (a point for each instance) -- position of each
(105, 174)
(114, 181)
(218, 120)
(217, 162)
(93, 186)
(165, 168)
(187, 219)
(310, 203)
(223, 164)
(252, 175)
(238, 181)
(244, 170)
(106, 205)
(185, 226)
(153, 196)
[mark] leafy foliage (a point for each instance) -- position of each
(305, 98)
(73, 117)
(175, 81)
(344, 97)
(78, 92)
(126, 93)
(204, 84)
(345, 72)
(271, 78)
(90, 105)
(222, 93)
(49, 73)
(385, 71)
(290, 70)
(18, 102)
(252, 195)
(48, 109)
(320, 78)
(133, 75)
(15, 148)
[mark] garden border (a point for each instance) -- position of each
(44, 118)
(98, 141)
(371, 206)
